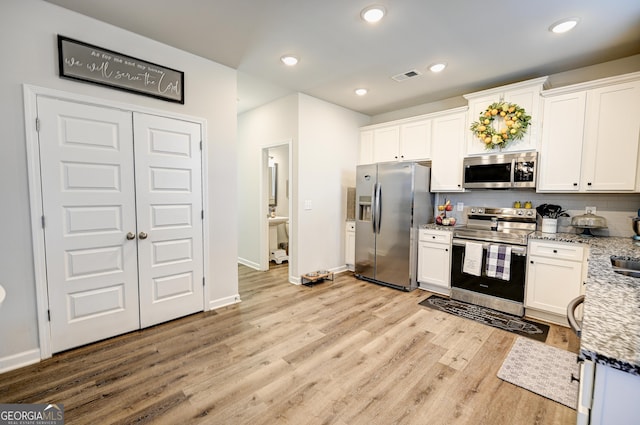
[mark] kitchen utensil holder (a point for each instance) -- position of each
(549, 225)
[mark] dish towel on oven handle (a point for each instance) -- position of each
(499, 262)
(472, 258)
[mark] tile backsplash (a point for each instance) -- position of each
(617, 209)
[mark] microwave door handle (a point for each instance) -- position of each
(512, 177)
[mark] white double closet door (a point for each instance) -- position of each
(122, 205)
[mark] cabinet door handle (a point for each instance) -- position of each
(575, 184)
(142, 235)
(531, 261)
(446, 250)
(555, 251)
(131, 235)
(573, 378)
(589, 184)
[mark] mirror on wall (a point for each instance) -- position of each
(273, 185)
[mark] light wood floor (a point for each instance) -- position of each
(342, 352)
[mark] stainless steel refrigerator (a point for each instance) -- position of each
(392, 202)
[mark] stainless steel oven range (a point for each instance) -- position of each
(492, 235)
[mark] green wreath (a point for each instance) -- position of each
(515, 121)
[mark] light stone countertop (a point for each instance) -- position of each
(434, 226)
(611, 320)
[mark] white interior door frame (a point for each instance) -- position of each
(264, 204)
(31, 94)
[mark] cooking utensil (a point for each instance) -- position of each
(551, 211)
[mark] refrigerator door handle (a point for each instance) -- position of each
(378, 207)
(374, 214)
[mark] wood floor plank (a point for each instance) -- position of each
(339, 352)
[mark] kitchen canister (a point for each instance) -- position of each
(549, 225)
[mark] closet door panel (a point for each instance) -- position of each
(169, 205)
(87, 173)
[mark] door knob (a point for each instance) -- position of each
(142, 235)
(131, 235)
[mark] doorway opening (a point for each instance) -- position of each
(275, 203)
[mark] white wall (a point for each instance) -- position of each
(28, 30)
(265, 126)
(324, 151)
(327, 158)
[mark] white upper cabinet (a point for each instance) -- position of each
(611, 138)
(415, 140)
(386, 144)
(560, 157)
(526, 95)
(447, 151)
(590, 137)
(405, 140)
(366, 147)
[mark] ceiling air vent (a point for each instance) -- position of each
(406, 75)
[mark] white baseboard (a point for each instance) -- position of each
(223, 302)
(554, 318)
(248, 263)
(436, 289)
(19, 360)
(340, 269)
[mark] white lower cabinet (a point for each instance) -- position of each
(556, 272)
(607, 396)
(350, 245)
(434, 261)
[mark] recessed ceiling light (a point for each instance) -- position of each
(361, 92)
(564, 25)
(289, 60)
(373, 13)
(437, 67)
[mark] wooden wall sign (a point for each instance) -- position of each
(85, 62)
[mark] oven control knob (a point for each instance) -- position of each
(473, 210)
(520, 212)
(529, 213)
(480, 211)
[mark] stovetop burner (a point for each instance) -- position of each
(501, 225)
(515, 237)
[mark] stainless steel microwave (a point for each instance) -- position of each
(503, 171)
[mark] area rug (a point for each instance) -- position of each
(487, 316)
(542, 369)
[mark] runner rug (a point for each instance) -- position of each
(487, 316)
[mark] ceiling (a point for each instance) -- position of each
(485, 44)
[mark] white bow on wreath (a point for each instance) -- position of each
(515, 121)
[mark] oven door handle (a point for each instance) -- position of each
(515, 249)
